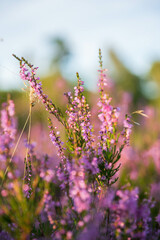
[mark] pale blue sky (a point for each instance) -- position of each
(129, 26)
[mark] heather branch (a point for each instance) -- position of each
(37, 89)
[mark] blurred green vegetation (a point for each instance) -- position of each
(144, 89)
(145, 176)
(126, 80)
(61, 53)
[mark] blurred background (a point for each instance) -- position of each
(67, 35)
(63, 37)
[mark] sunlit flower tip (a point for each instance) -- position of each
(10, 175)
(11, 108)
(112, 141)
(82, 82)
(80, 223)
(25, 187)
(69, 235)
(127, 123)
(4, 193)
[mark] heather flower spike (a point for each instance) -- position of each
(28, 73)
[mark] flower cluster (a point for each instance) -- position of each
(7, 130)
(80, 126)
(77, 199)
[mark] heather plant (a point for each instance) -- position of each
(79, 198)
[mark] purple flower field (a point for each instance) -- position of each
(91, 183)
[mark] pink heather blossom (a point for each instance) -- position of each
(69, 235)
